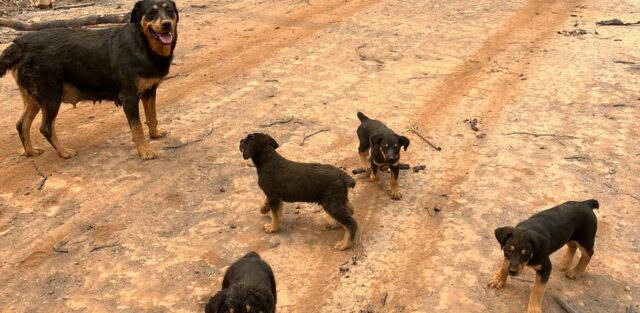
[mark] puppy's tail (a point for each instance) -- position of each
(9, 58)
(362, 117)
(351, 183)
(593, 203)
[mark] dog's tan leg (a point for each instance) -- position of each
(537, 295)
(265, 207)
(276, 213)
(500, 277)
(395, 192)
(144, 150)
(364, 159)
(31, 109)
(567, 258)
(579, 269)
(346, 241)
(149, 104)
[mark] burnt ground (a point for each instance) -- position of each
(557, 120)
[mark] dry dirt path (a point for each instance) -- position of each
(156, 236)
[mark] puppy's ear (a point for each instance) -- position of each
(404, 141)
(248, 150)
(136, 13)
(175, 9)
(538, 241)
(272, 142)
(503, 233)
(215, 304)
(376, 139)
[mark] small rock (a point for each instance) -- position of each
(222, 189)
(232, 226)
(627, 288)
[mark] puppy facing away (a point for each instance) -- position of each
(384, 145)
(532, 241)
(288, 181)
(122, 64)
(248, 287)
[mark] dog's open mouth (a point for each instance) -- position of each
(165, 38)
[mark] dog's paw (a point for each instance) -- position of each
(146, 153)
(573, 274)
(264, 209)
(343, 245)
(534, 309)
(373, 177)
(157, 134)
(332, 226)
(67, 153)
(395, 195)
(496, 283)
(563, 268)
(270, 229)
(33, 152)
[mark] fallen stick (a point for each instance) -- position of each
(413, 130)
(94, 248)
(384, 167)
(76, 22)
(44, 177)
(616, 22)
(182, 145)
(74, 6)
(312, 134)
(564, 304)
(366, 58)
(542, 135)
(279, 121)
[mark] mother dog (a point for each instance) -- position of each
(122, 64)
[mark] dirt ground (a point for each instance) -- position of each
(557, 116)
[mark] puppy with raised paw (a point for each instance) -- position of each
(248, 287)
(532, 241)
(383, 145)
(289, 181)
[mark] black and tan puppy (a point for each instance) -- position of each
(532, 241)
(288, 181)
(248, 287)
(122, 64)
(384, 145)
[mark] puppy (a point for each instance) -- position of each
(284, 180)
(122, 64)
(532, 241)
(384, 145)
(248, 287)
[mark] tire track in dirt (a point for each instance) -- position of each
(229, 60)
(532, 26)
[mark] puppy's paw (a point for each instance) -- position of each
(67, 153)
(343, 245)
(496, 284)
(270, 228)
(396, 195)
(573, 274)
(33, 152)
(157, 134)
(146, 153)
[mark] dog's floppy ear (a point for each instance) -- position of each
(175, 10)
(503, 233)
(404, 141)
(376, 139)
(272, 142)
(215, 304)
(136, 13)
(538, 241)
(248, 149)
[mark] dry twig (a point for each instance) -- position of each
(564, 304)
(414, 130)
(44, 177)
(312, 134)
(278, 121)
(111, 245)
(182, 145)
(364, 57)
(542, 135)
(74, 6)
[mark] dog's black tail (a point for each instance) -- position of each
(593, 203)
(362, 117)
(351, 183)
(9, 58)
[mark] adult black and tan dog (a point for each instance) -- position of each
(284, 180)
(248, 287)
(384, 145)
(532, 241)
(122, 64)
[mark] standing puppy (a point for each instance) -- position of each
(532, 241)
(284, 180)
(248, 287)
(384, 145)
(121, 64)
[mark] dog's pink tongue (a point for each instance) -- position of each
(166, 38)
